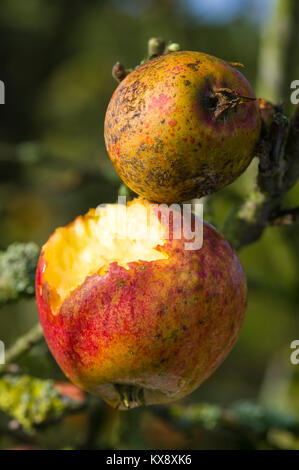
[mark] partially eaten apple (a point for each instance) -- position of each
(132, 315)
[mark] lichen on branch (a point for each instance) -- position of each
(17, 271)
(249, 420)
(32, 401)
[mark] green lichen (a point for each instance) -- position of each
(29, 400)
(17, 271)
(241, 417)
(206, 414)
(260, 419)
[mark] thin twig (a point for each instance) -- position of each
(22, 345)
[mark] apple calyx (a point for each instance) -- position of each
(224, 99)
(130, 396)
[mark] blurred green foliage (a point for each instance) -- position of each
(55, 60)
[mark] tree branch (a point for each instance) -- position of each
(249, 420)
(278, 153)
(34, 402)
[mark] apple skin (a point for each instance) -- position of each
(164, 131)
(151, 333)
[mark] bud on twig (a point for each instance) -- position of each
(155, 47)
(119, 72)
(172, 47)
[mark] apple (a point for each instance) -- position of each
(182, 125)
(137, 316)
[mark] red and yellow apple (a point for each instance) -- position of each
(133, 316)
(181, 126)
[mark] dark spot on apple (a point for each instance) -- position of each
(163, 361)
(194, 65)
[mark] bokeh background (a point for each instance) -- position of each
(56, 58)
